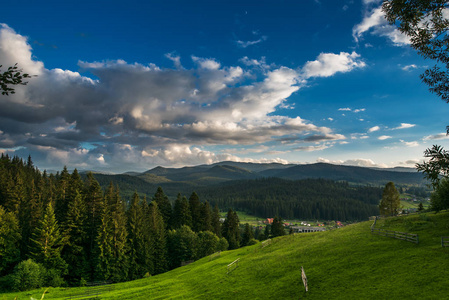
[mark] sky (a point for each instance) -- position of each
(131, 85)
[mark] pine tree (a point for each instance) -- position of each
(9, 241)
(136, 239)
(48, 243)
(62, 200)
(118, 265)
(181, 213)
(74, 252)
(247, 235)
(164, 205)
(390, 203)
(93, 196)
(205, 217)
(158, 239)
(195, 211)
(231, 230)
(277, 228)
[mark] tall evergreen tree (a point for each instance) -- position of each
(277, 228)
(195, 211)
(136, 239)
(181, 213)
(95, 206)
(48, 243)
(164, 205)
(247, 235)
(158, 239)
(74, 252)
(118, 265)
(9, 241)
(231, 230)
(390, 203)
(62, 200)
(205, 217)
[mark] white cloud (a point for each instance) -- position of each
(135, 115)
(374, 21)
(245, 44)
(404, 126)
(345, 109)
(374, 128)
(359, 162)
(409, 67)
(384, 137)
(438, 136)
(410, 144)
(328, 64)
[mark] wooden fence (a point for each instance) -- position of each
(304, 279)
(405, 236)
(232, 266)
(445, 241)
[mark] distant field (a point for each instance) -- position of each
(347, 263)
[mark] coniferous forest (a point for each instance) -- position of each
(60, 230)
(297, 199)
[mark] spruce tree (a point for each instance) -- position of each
(48, 243)
(158, 239)
(93, 196)
(247, 235)
(74, 252)
(195, 211)
(181, 213)
(277, 228)
(9, 241)
(118, 265)
(231, 230)
(136, 239)
(164, 205)
(205, 217)
(390, 203)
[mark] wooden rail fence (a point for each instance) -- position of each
(232, 266)
(445, 241)
(214, 255)
(405, 236)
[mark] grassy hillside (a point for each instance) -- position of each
(348, 263)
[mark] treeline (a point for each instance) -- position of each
(58, 230)
(300, 199)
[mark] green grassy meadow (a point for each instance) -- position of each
(346, 263)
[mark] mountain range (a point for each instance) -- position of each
(187, 179)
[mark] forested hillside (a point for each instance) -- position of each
(300, 199)
(58, 230)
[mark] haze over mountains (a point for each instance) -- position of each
(188, 179)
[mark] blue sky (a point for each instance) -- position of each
(132, 85)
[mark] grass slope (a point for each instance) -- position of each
(348, 263)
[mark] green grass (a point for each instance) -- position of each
(347, 263)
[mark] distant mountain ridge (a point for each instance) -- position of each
(188, 179)
(224, 171)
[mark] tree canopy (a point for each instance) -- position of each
(12, 76)
(390, 203)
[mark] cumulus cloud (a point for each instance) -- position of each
(384, 137)
(328, 64)
(359, 162)
(410, 144)
(357, 110)
(137, 115)
(404, 126)
(409, 67)
(374, 22)
(438, 136)
(374, 128)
